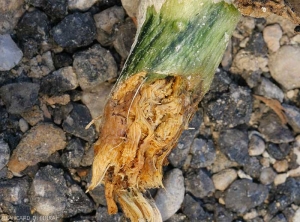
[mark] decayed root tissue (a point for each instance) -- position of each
(141, 124)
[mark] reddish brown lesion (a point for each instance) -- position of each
(141, 124)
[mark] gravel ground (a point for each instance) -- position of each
(239, 161)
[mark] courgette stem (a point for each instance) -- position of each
(170, 68)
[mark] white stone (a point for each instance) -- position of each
(224, 178)
(284, 66)
(82, 5)
(243, 175)
(272, 35)
(10, 54)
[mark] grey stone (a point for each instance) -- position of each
(10, 54)
(59, 81)
(253, 167)
(256, 144)
(243, 195)
(124, 37)
(257, 45)
(178, 155)
(98, 195)
(50, 194)
(103, 216)
(19, 97)
(234, 144)
(292, 114)
(267, 176)
(60, 112)
(94, 66)
(77, 202)
(204, 153)
(193, 210)
(279, 218)
(268, 89)
(106, 21)
(41, 65)
(284, 66)
(231, 109)
(14, 196)
(199, 183)
(4, 154)
(62, 59)
(73, 153)
(87, 159)
(10, 13)
(76, 122)
(33, 25)
(55, 9)
(279, 151)
(169, 199)
(75, 30)
(273, 130)
(222, 215)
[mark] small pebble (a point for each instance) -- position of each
(294, 172)
(73, 153)
(33, 25)
(243, 175)
(267, 176)
(94, 66)
(124, 38)
(33, 115)
(273, 130)
(169, 199)
(36, 146)
(193, 210)
(250, 215)
(19, 97)
(10, 54)
(272, 34)
(82, 5)
(234, 144)
(256, 145)
(106, 21)
(75, 30)
(230, 108)
(280, 178)
(243, 195)
(281, 166)
(203, 153)
(76, 122)
(265, 162)
(284, 66)
(269, 90)
(23, 125)
(41, 65)
(224, 178)
(199, 183)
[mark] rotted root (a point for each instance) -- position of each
(142, 122)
